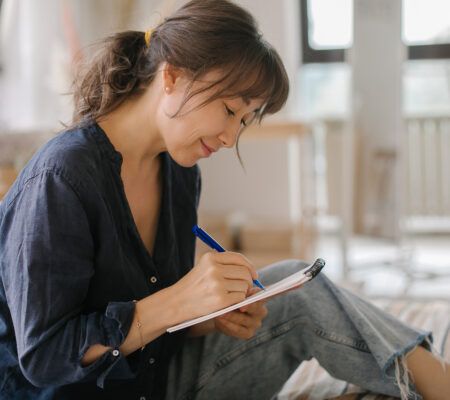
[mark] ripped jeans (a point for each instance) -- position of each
(352, 339)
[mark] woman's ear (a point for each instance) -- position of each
(173, 77)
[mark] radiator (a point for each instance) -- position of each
(427, 166)
(426, 162)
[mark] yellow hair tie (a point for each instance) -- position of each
(148, 34)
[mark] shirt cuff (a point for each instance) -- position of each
(117, 324)
(118, 367)
(119, 316)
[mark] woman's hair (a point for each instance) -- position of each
(201, 36)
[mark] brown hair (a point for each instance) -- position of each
(201, 36)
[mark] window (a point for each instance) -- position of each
(426, 28)
(327, 29)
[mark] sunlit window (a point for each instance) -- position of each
(330, 23)
(325, 77)
(426, 21)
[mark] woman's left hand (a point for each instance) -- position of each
(244, 322)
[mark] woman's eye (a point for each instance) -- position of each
(248, 121)
(229, 111)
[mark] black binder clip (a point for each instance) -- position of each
(314, 270)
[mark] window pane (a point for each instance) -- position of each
(425, 85)
(330, 24)
(426, 21)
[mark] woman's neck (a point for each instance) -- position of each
(132, 130)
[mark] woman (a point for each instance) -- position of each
(97, 252)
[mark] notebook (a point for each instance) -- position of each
(296, 280)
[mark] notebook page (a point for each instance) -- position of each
(296, 279)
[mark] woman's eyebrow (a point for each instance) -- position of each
(247, 102)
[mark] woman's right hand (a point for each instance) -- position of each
(217, 281)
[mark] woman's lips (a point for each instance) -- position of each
(208, 150)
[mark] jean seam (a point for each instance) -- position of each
(357, 344)
(262, 337)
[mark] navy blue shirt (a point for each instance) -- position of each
(71, 264)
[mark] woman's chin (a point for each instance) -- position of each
(186, 161)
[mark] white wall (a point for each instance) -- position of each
(34, 61)
(263, 191)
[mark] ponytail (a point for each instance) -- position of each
(118, 70)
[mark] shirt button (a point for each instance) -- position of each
(151, 360)
(153, 279)
(115, 353)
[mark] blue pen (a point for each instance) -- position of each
(203, 236)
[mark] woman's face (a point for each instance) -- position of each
(198, 133)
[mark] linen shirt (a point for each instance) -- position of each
(71, 264)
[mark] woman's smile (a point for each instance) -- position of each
(207, 150)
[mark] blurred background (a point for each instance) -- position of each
(355, 169)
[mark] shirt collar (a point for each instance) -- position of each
(105, 144)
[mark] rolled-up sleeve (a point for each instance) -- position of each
(47, 262)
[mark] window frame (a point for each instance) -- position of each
(309, 55)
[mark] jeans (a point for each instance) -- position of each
(352, 339)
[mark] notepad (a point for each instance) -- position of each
(296, 280)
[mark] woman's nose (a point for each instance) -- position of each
(229, 136)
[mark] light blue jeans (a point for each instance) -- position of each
(352, 339)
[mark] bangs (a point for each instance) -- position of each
(259, 74)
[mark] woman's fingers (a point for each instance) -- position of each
(237, 272)
(234, 285)
(242, 324)
(236, 330)
(257, 309)
(217, 281)
(243, 319)
(252, 290)
(236, 318)
(231, 258)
